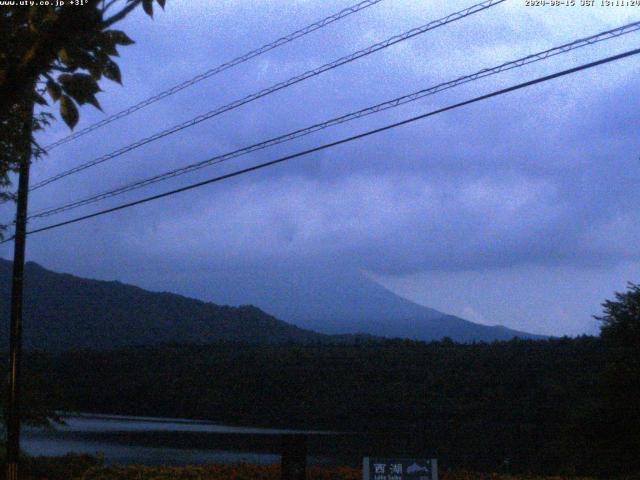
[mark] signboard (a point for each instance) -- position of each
(399, 468)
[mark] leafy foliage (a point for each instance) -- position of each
(268, 472)
(67, 467)
(621, 319)
(67, 48)
(14, 144)
(59, 52)
(618, 430)
(60, 468)
(216, 472)
(83, 467)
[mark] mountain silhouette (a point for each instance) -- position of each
(63, 312)
(340, 301)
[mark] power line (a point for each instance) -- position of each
(536, 57)
(340, 142)
(219, 69)
(274, 88)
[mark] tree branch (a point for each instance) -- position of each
(108, 5)
(121, 14)
(40, 55)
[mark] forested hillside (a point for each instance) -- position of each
(65, 312)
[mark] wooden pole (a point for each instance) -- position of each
(17, 285)
(294, 457)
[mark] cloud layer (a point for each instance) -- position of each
(542, 179)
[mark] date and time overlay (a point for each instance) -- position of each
(525, 3)
(582, 3)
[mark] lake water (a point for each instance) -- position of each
(158, 441)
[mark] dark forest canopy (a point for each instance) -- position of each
(525, 405)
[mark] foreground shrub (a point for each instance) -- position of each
(86, 467)
(267, 472)
(68, 467)
(462, 475)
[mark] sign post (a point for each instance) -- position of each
(294, 457)
(399, 468)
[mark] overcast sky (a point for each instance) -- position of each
(521, 210)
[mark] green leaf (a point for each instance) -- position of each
(75, 57)
(84, 58)
(39, 99)
(68, 111)
(112, 71)
(94, 101)
(54, 90)
(108, 44)
(96, 71)
(65, 58)
(80, 86)
(118, 37)
(111, 50)
(147, 6)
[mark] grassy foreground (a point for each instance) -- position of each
(263, 472)
(84, 467)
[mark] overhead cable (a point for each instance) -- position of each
(216, 70)
(338, 142)
(274, 88)
(536, 57)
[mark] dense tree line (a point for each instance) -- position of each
(518, 405)
(545, 406)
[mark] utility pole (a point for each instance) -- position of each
(17, 284)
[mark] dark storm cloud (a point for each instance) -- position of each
(546, 176)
